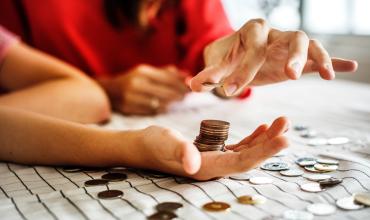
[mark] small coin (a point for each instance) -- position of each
(96, 182)
(72, 169)
(252, 200)
(297, 215)
(306, 161)
(348, 203)
(321, 209)
(312, 169)
(242, 176)
(212, 84)
(316, 177)
(325, 167)
(330, 182)
(363, 198)
(317, 142)
(92, 169)
(114, 177)
(291, 172)
(311, 187)
(110, 194)
(260, 180)
(309, 134)
(216, 206)
(338, 140)
(168, 206)
(162, 215)
(275, 166)
(300, 127)
(328, 161)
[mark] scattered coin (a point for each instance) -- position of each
(155, 174)
(212, 84)
(362, 198)
(162, 215)
(114, 177)
(92, 169)
(275, 166)
(325, 167)
(291, 172)
(330, 182)
(328, 161)
(316, 177)
(169, 206)
(96, 182)
(321, 209)
(309, 134)
(312, 169)
(242, 176)
(306, 161)
(300, 127)
(317, 142)
(260, 180)
(110, 194)
(216, 206)
(311, 187)
(252, 200)
(338, 140)
(297, 215)
(212, 135)
(71, 169)
(348, 203)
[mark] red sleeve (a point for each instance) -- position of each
(205, 22)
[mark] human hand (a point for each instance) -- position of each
(167, 151)
(147, 90)
(259, 55)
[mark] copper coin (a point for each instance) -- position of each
(216, 206)
(96, 182)
(110, 194)
(114, 177)
(162, 215)
(168, 206)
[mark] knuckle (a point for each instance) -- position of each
(315, 42)
(300, 34)
(259, 21)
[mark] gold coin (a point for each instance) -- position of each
(246, 200)
(216, 206)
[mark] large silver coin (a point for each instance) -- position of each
(311, 187)
(325, 167)
(316, 177)
(317, 142)
(168, 206)
(363, 198)
(260, 180)
(306, 161)
(348, 203)
(275, 166)
(291, 172)
(321, 209)
(338, 140)
(110, 194)
(297, 215)
(328, 161)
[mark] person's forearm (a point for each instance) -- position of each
(30, 138)
(69, 99)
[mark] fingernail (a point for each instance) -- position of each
(230, 89)
(297, 68)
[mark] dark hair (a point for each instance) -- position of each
(116, 10)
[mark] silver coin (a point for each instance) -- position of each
(309, 134)
(260, 180)
(110, 194)
(306, 161)
(348, 203)
(338, 140)
(291, 172)
(317, 142)
(321, 209)
(169, 206)
(242, 176)
(275, 166)
(297, 215)
(363, 198)
(312, 169)
(325, 167)
(316, 177)
(328, 161)
(311, 187)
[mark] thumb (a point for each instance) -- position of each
(190, 158)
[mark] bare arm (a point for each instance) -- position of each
(37, 82)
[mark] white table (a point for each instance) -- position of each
(336, 108)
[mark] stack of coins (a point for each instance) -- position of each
(212, 136)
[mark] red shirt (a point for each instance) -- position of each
(78, 32)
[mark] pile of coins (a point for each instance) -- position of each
(212, 136)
